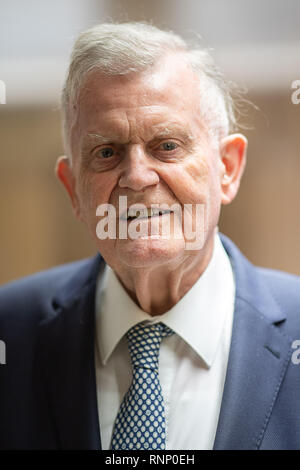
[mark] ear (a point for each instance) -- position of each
(64, 173)
(233, 150)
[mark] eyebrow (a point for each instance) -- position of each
(170, 130)
(159, 132)
(97, 138)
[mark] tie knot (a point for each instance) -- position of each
(144, 343)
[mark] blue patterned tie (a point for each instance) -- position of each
(140, 423)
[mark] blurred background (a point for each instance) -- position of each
(257, 45)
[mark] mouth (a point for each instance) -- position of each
(135, 213)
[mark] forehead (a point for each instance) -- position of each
(167, 94)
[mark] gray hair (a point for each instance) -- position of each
(120, 49)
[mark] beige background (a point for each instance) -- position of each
(256, 43)
(38, 229)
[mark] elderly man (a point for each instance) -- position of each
(169, 338)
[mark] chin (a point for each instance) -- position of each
(147, 252)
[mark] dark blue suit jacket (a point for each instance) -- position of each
(48, 388)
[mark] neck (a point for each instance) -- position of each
(156, 290)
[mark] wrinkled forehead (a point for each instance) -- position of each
(170, 82)
(137, 104)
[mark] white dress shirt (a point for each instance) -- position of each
(192, 362)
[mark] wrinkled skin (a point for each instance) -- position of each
(143, 136)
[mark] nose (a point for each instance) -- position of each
(138, 172)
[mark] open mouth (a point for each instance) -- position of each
(133, 214)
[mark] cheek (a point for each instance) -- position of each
(93, 189)
(197, 181)
(190, 181)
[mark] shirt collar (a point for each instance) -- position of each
(198, 318)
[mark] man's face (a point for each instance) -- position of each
(142, 136)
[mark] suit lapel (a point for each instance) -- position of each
(66, 358)
(258, 359)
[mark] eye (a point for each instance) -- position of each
(105, 152)
(168, 146)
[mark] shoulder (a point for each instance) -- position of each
(285, 290)
(278, 298)
(31, 296)
(282, 283)
(274, 294)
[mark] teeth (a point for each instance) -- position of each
(147, 212)
(133, 212)
(154, 212)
